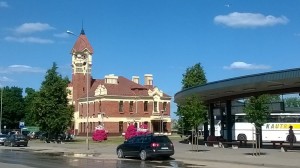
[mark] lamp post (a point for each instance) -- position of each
(161, 122)
(182, 117)
(1, 109)
(87, 104)
(87, 90)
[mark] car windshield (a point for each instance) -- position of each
(162, 139)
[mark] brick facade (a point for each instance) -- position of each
(114, 101)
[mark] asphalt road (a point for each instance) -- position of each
(75, 154)
(19, 158)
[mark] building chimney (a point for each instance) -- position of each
(136, 79)
(148, 79)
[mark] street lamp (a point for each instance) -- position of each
(182, 117)
(161, 121)
(1, 109)
(86, 63)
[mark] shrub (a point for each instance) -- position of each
(133, 131)
(143, 130)
(100, 134)
(130, 132)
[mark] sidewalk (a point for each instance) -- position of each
(183, 152)
(268, 157)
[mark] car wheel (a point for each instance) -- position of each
(143, 155)
(120, 153)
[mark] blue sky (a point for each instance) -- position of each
(160, 37)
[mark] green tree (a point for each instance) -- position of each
(292, 102)
(51, 110)
(194, 111)
(275, 98)
(31, 94)
(12, 108)
(175, 125)
(193, 76)
(257, 111)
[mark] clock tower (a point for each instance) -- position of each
(82, 53)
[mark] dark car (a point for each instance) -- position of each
(52, 138)
(34, 134)
(146, 146)
(16, 140)
(25, 133)
(43, 136)
(2, 138)
(37, 134)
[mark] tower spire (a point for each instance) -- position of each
(82, 31)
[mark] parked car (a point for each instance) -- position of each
(13, 132)
(53, 138)
(2, 138)
(43, 136)
(35, 134)
(25, 133)
(16, 140)
(146, 146)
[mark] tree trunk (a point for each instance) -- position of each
(258, 136)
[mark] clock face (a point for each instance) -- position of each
(79, 57)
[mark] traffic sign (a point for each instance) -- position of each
(21, 124)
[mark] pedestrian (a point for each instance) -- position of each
(291, 137)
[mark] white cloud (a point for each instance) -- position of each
(246, 66)
(61, 35)
(3, 4)
(27, 28)
(29, 40)
(244, 20)
(21, 69)
(5, 79)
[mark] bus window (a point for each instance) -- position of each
(273, 119)
(240, 118)
(289, 119)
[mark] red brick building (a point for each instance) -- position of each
(114, 101)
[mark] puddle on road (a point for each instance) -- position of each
(157, 164)
(78, 159)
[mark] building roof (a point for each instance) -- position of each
(276, 82)
(82, 44)
(124, 87)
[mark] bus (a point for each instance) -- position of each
(276, 128)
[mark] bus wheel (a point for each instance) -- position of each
(242, 137)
